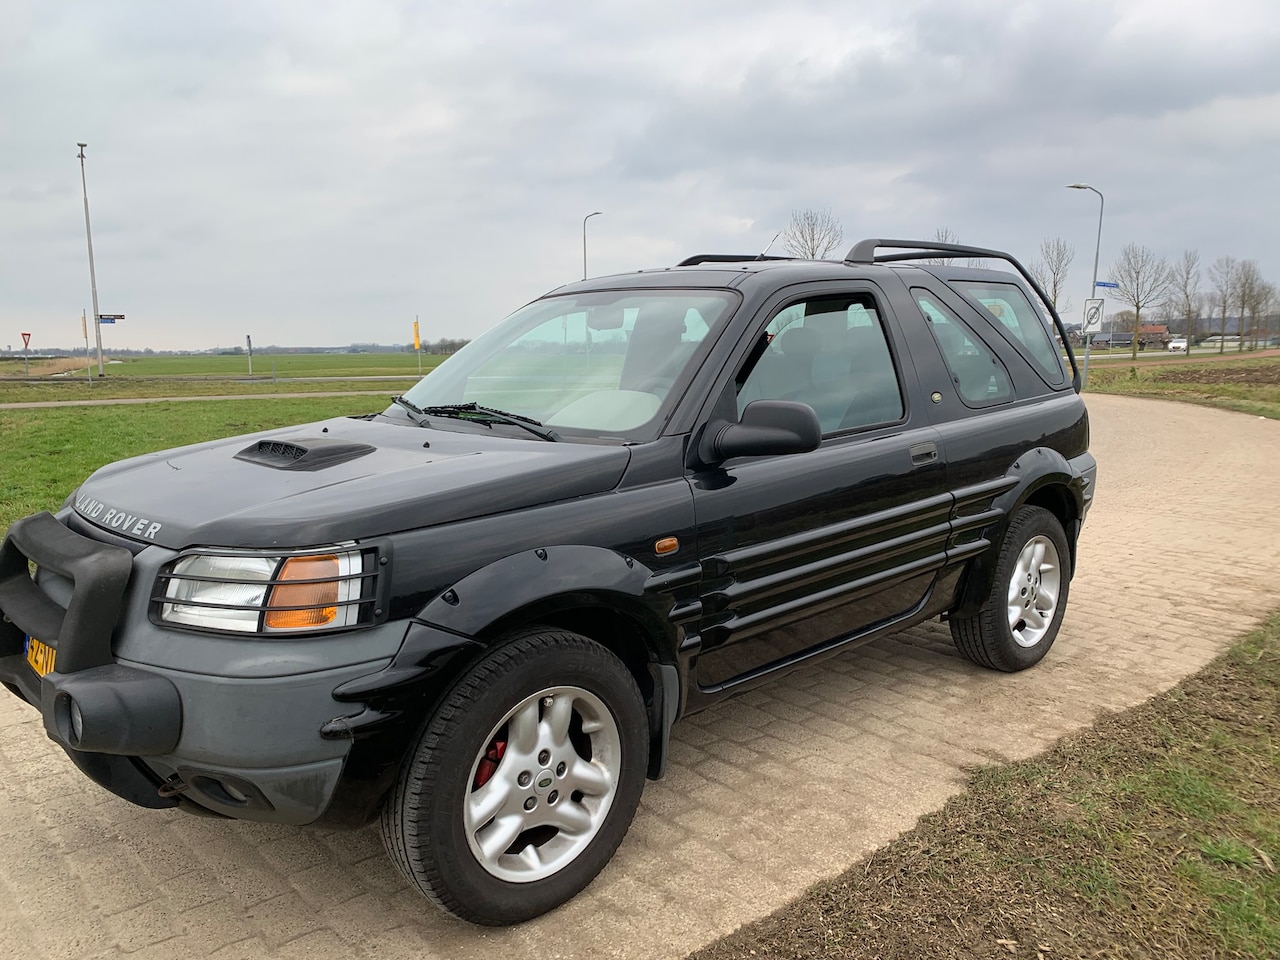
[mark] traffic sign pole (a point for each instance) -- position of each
(26, 345)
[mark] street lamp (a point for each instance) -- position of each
(93, 280)
(1093, 290)
(595, 213)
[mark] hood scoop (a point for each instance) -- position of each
(303, 453)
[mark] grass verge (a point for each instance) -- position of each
(49, 452)
(1155, 833)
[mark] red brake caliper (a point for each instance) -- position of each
(489, 763)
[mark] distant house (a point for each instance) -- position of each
(1154, 334)
(1106, 341)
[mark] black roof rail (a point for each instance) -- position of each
(698, 258)
(864, 252)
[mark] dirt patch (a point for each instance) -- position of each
(1155, 833)
(48, 368)
(1254, 374)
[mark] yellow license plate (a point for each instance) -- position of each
(40, 656)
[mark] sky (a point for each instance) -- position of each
(314, 172)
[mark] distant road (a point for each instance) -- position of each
(34, 404)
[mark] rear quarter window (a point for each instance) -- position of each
(1014, 315)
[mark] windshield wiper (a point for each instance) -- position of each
(486, 415)
(401, 401)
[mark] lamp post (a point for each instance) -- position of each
(93, 280)
(1093, 290)
(584, 240)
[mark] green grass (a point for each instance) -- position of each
(49, 452)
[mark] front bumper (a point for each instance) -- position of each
(166, 718)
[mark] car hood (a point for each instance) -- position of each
(333, 481)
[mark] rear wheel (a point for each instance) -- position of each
(1018, 623)
(524, 782)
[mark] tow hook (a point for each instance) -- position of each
(173, 786)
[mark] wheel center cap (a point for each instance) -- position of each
(543, 782)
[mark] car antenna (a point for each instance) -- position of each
(770, 244)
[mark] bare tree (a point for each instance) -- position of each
(1223, 275)
(812, 234)
(1050, 270)
(1143, 280)
(1268, 300)
(1261, 296)
(943, 235)
(1186, 292)
(1247, 280)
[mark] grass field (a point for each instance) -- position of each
(115, 388)
(284, 365)
(1246, 385)
(49, 452)
(205, 375)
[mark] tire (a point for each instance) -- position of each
(524, 781)
(1020, 618)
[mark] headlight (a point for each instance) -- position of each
(267, 594)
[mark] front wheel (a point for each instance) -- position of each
(1020, 619)
(524, 782)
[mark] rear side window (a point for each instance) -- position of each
(980, 378)
(1013, 313)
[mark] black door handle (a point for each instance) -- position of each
(922, 453)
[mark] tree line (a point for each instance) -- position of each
(1172, 291)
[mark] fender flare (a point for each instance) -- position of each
(539, 583)
(547, 578)
(1038, 468)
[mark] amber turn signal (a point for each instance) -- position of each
(666, 545)
(307, 582)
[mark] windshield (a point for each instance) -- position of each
(592, 364)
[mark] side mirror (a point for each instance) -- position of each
(767, 428)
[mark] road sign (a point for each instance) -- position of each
(110, 317)
(1093, 315)
(26, 340)
(1106, 283)
(106, 319)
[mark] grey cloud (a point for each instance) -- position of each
(325, 172)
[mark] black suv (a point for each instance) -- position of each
(476, 615)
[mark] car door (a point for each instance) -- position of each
(803, 552)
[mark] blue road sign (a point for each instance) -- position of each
(1106, 283)
(106, 319)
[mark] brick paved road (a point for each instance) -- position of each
(766, 794)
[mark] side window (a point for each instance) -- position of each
(979, 377)
(830, 353)
(1013, 313)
